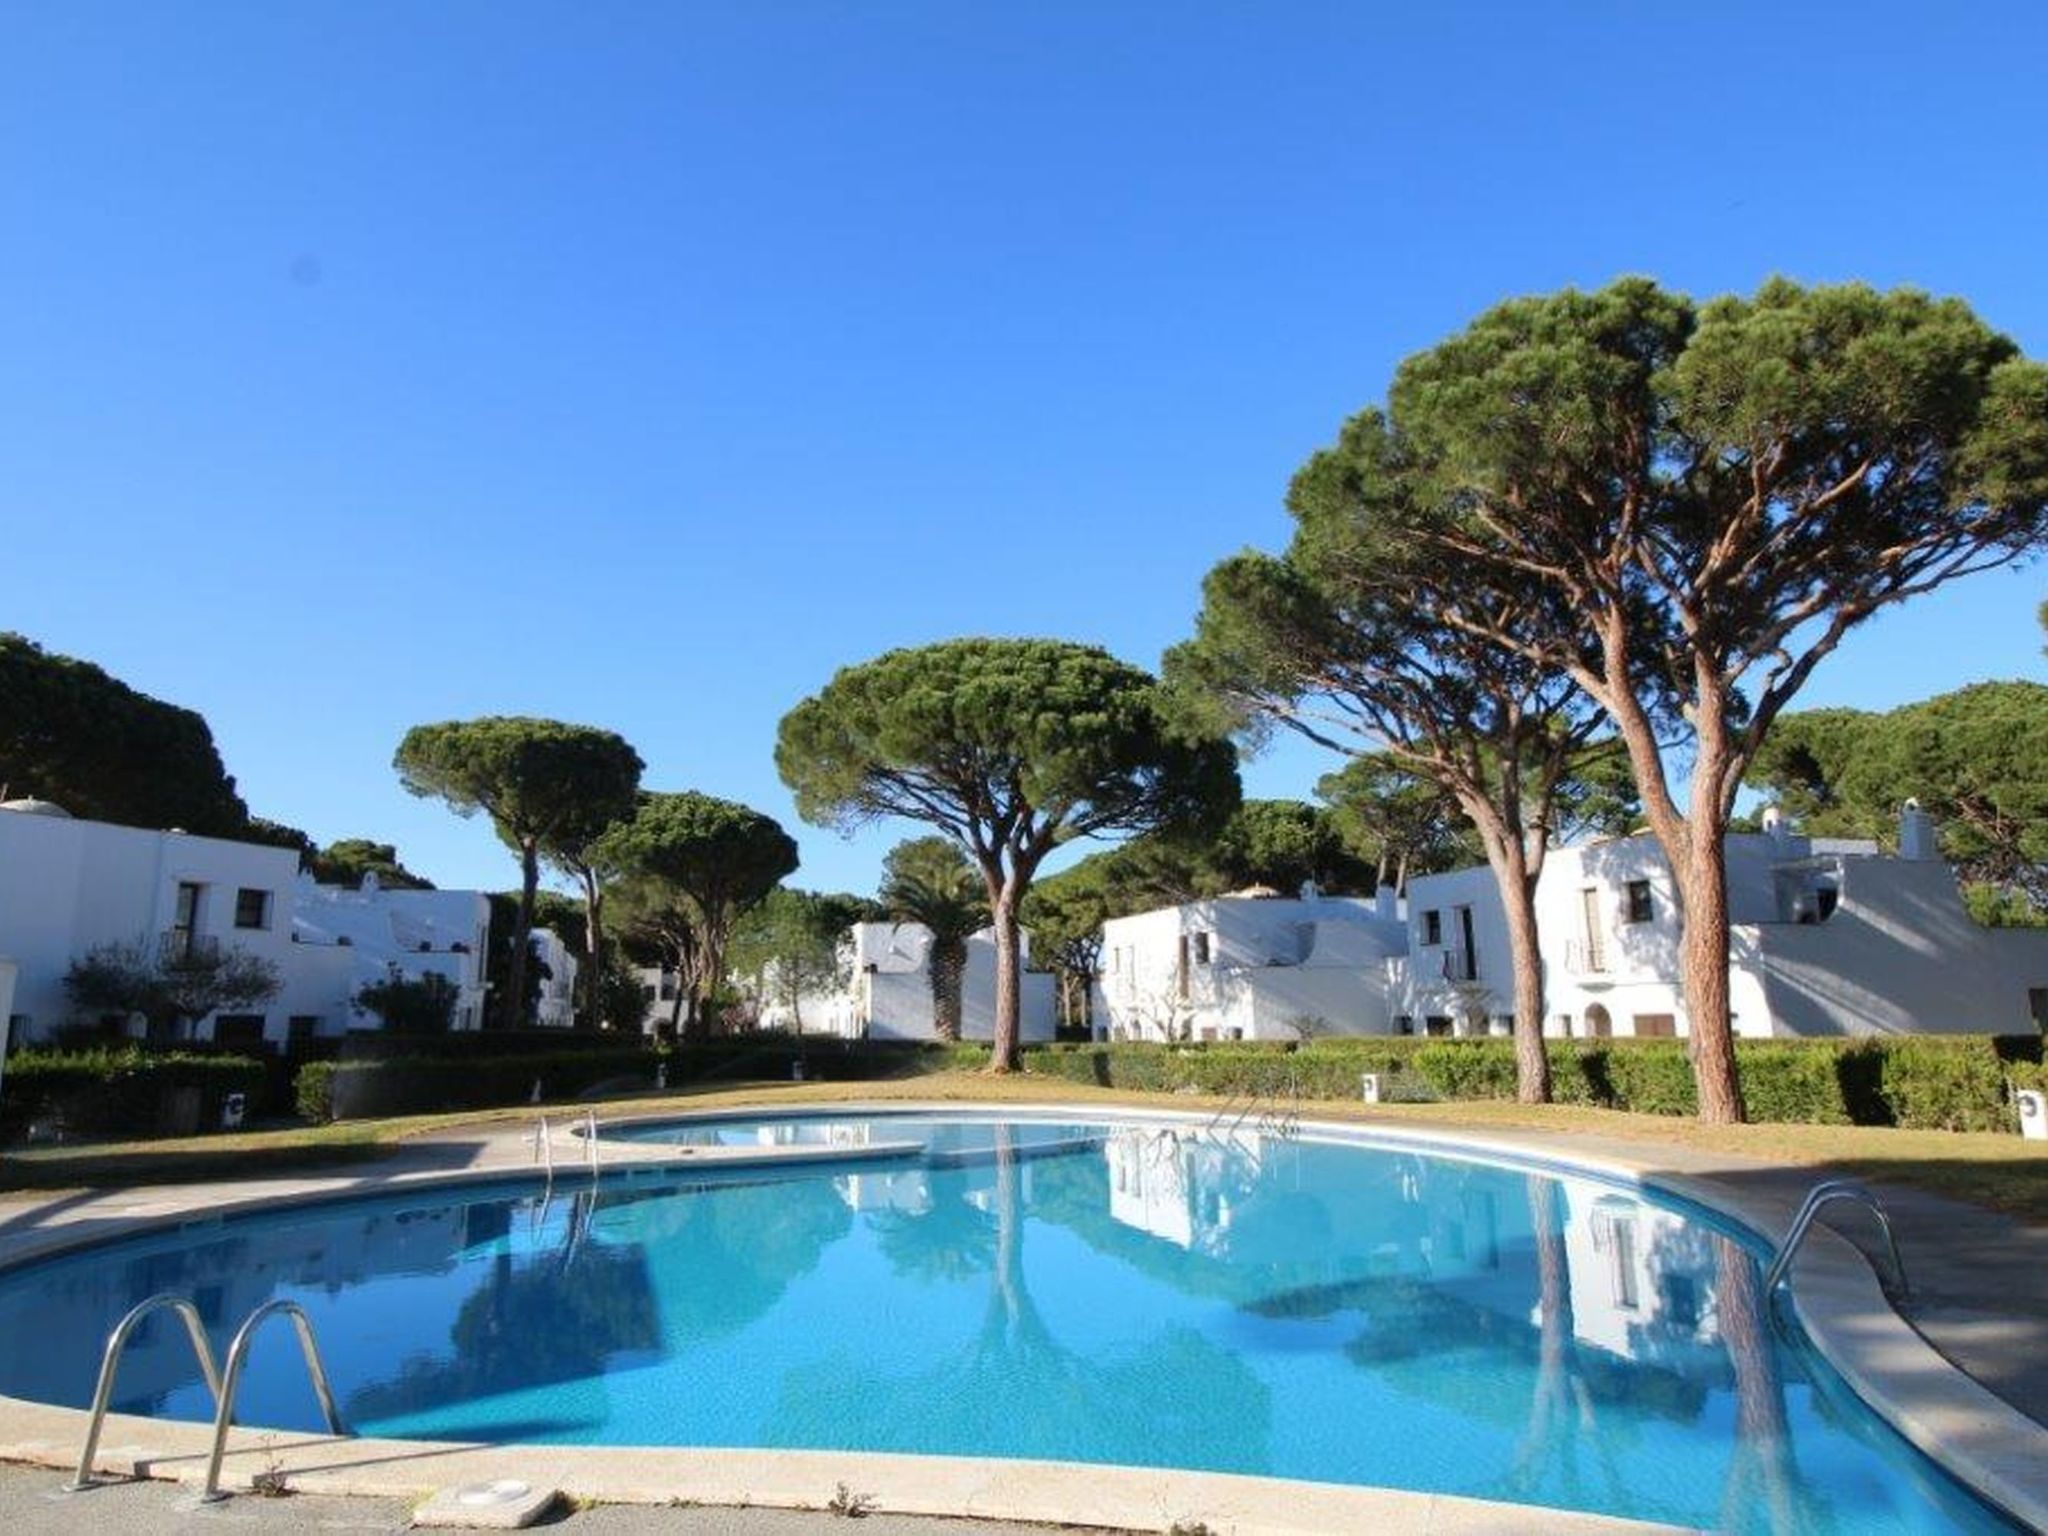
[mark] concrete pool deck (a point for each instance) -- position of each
(1979, 1307)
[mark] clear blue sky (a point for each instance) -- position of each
(366, 364)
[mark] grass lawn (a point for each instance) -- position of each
(2003, 1172)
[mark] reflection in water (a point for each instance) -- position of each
(1247, 1302)
(1010, 1379)
(544, 1317)
(1763, 1483)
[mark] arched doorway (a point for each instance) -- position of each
(1598, 1025)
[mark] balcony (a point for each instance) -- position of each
(1586, 962)
(1460, 965)
(181, 946)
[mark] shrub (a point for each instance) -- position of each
(422, 1005)
(1952, 1083)
(1468, 1069)
(1935, 1082)
(1793, 1080)
(126, 1090)
(427, 1080)
(313, 1091)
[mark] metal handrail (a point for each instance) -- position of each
(590, 1141)
(238, 1355)
(544, 1148)
(1820, 1195)
(110, 1359)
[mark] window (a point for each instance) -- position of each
(1437, 1024)
(302, 1027)
(185, 925)
(1201, 949)
(1640, 907)
(252, 909)
(1825, 900)
(1432, 927)
(1404, 1024)
(1656, 1026)
(238, 1029)
(1564, 1025)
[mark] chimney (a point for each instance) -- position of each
(1774, 823)
(1916, 834)
(1386, 903)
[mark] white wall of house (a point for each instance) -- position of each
(555, 986)
(379, 932)
(70, 885)
(889, 991)
(1828, 938)
(1249, 968)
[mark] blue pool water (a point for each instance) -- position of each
(1236, 1299)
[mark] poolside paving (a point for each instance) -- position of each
(31, 1504)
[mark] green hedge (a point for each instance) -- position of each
(1955, 1082)
(125, 1090)
(429, 1081)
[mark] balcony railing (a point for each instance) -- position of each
(1582, 957)
(180, 946)
(1460, 965)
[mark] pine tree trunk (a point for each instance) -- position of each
(513, 1010)
(1508, 855)
(1703, 955)
(593, 941)
(1532, 1061)
(1005, 1056)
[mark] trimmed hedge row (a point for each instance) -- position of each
(431, 1081)
(458, 1045)
(1955, 1082)
(125, 1090)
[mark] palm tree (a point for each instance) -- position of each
(928, 880)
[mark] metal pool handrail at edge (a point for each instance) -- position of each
(238, 1355)
(1821, 1194)
(110, 1361)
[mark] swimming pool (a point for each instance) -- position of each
(1239, 1298)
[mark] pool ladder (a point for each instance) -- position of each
(223, 1386)
(1820, 1195)
(544, 1146)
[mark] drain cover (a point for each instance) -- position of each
(504, 1504)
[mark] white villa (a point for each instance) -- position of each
(1829, 938)
(886, 990)
(1251, 967)
(68, 885)
(554, 987)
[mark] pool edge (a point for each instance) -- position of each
(1981, 1441)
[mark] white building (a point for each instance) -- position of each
(69, 885)
(1828, 938)
(1250, 967)
(888, 995)
(553, 969)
